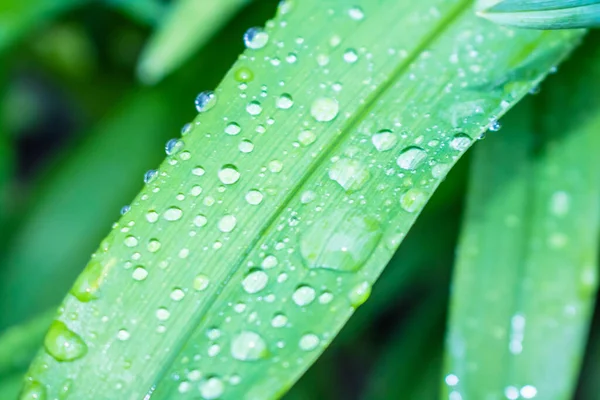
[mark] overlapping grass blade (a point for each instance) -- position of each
(272, 217)
(187, 27)
(545, 14)
(525, 278)
(149, 12)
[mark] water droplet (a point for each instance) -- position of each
(151, 216)
(248, 346)
(559, 203)
(173, 214)
(32, 390)
(291, 58)
(229, 174)
(306, 138)
(150, 175)
(227, 223)
(153, 245)
(205, 101)
(269, 262)
(528, 392)
(125, 209)
(460, 142)
(342, 241)
(232, 129)
(308, 197)
(303, 295)
(356, 13)
(88, 283)
(244, 74)
(284, 101)
(324, 109)
(130, 241)
(246, 146)
(198, 171)
(350, 56)
(254, 197)
(384, 140)
(201, 282)
(309, 342)
(211, 388)
(162, 314)
(494, 126)
(275, 166)
(359, 294)
(200, 220)
(325, 297)
(186, 129)
(139, 273)
(177, 294)
(411, 157)
(123, 335)
(413, 200)
(440, 170)
(279, 320)
(63, 344)
(350, 174)
(255, 281)
(173, 146)
(254, 108)
(256, 38)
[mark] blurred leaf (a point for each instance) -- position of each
(149, 12)
(525, 278)
(10, 386)
(545, 14)
(17, 17)
(286, 197)
(73, 206)
(186, 28)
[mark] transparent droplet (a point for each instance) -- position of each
(303, 295)
(494, 126)
(350, 56)
(460, 142)
(309, 342)
(254, 108)
(198, 171)
(275, 166)
(232, 129)
(173, 214)
(63, 344)
(125, 209)
(130, 241)
(211, 388)
(248, 346)
(139, 273)
(284, 101)
(384, 140)
(150, 175)
(528, 392)
(123, 335)
(342, 241)
(411, 157)
(88, 283)
(350, 174)
(151, 216)
(173, 146)
(324, 109)
(229, 174)
(246, 146)
(201, 282)
(186, 129)
(306, 137)
(205, 101)
(162, 314)
(244, 74)
(153, 245)
(269, 262)
(359, 294)
(279, 320)
(32, 390)
(255, 38)
(177, 294)
(255, 281)
(413, 200)
(325, 297)
(254, 197)
(200, 220)
(356, 13)
(227, 223)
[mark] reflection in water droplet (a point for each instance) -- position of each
(350, 56)
(248, 346)
(411, 157)
(232, 129)
(173, 214)
(254, 197)
(413, 200)
(201, 282)
(384, 140)
(150, 175)
(460, 142)
(303, 295)
(350, 174)
(244, 74)
(284, 101)
(205, 101)
(255, 281)
(256, 38)
(342, 241)
(279, 320)
(227, 223)
(63, 344)
(32, 390)
(359, 294)
(324, 109)
(173, 146)
(229, 174)
(309, 342)
(356, 13)
(211, 388)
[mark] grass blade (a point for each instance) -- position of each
(182, 296)
(149, 12)
(528, 250)
(545, 14)
(188, 25)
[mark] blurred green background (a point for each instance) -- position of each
(78, 130)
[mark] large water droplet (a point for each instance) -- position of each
(150, 175)
(211, 388)
(324, 109)
(254, 197)
(63, 344)
(256, 38)
(342, 241)
(227, 223)
(309, 342)
(88, 283)
(384, 140)
(254, 108)
(229, 174)
(303, 295)
(255, 281)
(205, 101)
(173, 214)
(173, 146)
(411, 157)
(232, 129)
(139, 273)
(248, 346)
(350, 174)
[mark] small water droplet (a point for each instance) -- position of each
(284, 101)
(123, 335)
(201, 282)
(32, 390)
(244, 74)
(279, 320)
(254, 197)
(309, 342)
(255, 281)
(211, 388)
(232, 129)
(350, 174)
(306, 137)
(151, 216)
(227, 223)
(384, 140)
(173, 214)
(255, 38)
(130, 241)
(153, 245)
(460, 142)
(139, 273)
(359, 294)
(411, 157)
(87, 285)
(198, 171)
(325, 297)
(173, 147)
(324, 109)
(413, 200)
(186, 129)
(303, 295)
(350, 56)
(205, 101)
(356, 13)
(63, 344)
(229, 174)
(248, 346)
(200, 220)
(275, 166)
(246, 146)
(163, 314)
(177, 294)
(269, 262)
(494, 126)
(150, 175)
(125, 209)
(254, 108)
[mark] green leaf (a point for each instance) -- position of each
(149, 12)
(18, 17)
(545, 14)
(186, 28)
(272, 217)
(525, 276)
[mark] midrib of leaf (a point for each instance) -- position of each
(121, 300)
